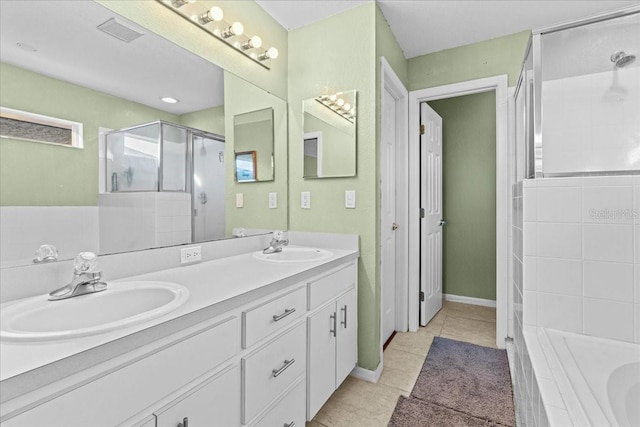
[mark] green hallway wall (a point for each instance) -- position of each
(469, 194)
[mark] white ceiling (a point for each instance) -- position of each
(425, 26)
(71, 48)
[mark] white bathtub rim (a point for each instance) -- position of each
(580, 399)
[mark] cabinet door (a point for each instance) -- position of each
(347, 344)
(321, 369)
(213, 403)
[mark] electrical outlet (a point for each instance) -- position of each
(305, 200)
(239, 200)
(190, 254)
(273, 200)
(350, 199)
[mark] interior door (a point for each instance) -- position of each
(431, 221)
(388, 262)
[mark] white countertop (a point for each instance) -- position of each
(210, 283)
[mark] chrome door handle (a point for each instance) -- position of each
(335, 326)
(442, 222)
(287, 311)
(287, 363)
(394, 226)
(291, 424)
(344, 310)
(184, 423)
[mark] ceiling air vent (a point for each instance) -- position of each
(117, 29)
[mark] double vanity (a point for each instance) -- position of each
(248, 339)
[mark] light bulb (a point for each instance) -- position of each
(346, 107)
(271, 53)
(235, 29)
(340, 102)
(254, 42)
(213, 14)
(333, 98)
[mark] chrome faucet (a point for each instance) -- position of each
(276, 244)
(85, 281)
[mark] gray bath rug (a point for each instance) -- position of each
(412, 412)
(467, 379)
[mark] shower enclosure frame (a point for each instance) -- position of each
(188, 159)
(537, 88)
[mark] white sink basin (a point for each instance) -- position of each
(295, 255)
(123, 304)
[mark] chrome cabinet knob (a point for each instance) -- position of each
(394, 226)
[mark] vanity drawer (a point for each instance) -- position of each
(260, 321)
(331, 285)
(270, 370)
(289, 411)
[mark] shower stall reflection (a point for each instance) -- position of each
(165, 186)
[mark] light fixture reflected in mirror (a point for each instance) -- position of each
(211, 20)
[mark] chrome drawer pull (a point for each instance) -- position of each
(184, 423)
(287, 363)
(287, 311)
(333, 331)
(291, 424)
(344, 310)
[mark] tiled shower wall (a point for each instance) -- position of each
(581, 270)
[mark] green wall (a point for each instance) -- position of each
(159, 19)
(469, 194)
(210, 120)
(503, 55)
(336, 55)
(34, 174)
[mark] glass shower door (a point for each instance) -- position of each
(208, 188)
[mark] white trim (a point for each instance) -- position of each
(469, 300)
(499, 85)
(390, 81)
(366, 374)
(317, 135)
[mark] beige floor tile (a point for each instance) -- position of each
(469, 328)
(401, 369)
(413, 342)
(359, 403)
(488, 314)
(314, 423)
(435, 325)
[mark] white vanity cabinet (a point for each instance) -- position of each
(332, 330)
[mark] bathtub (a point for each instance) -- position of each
(599, 379)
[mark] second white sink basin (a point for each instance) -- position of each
(295, 255)
(123, 304)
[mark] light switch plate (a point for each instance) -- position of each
(305, 200)
(350, 199)
(190, 254)
(239, 200)
(273, 200)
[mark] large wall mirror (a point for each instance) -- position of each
(149, 173)
(330, 136)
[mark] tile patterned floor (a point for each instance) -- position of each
(360, 403)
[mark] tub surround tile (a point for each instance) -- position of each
(530, 308)
(636, 244)
(529, 183)
(636, 310)
(530, 273)
(608, 280)
(558, 204)
(609, 319)
(607, 181)
(636, 203)
(530, 239)
(559, 182)
(608, 205)
(636, 269)
(610, 242)
(559, 276)
(529, 205)
(559, 240)
(560, 312)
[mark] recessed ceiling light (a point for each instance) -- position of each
(169, 100)
(26, 47)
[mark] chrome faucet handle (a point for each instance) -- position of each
(46, 253)
(84, 262)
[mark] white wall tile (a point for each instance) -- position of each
(636, 240)
(559, 204)
(560, 312)
(608, 280)
(530, 199)
(530, 307)
(607, 181)
(608, 242)
(559, 276)
(636, 309)
(530, 243)
(636, 204)
(608, 205)
(559, 182)
(559, 240)
(636, 270)
(530, 273)
(608, 319)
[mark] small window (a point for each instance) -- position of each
(24, 126)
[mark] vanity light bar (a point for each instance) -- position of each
(337, 105)
(212, 21)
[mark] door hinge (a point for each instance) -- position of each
(421, 212)
(421, 129)
(421, 296)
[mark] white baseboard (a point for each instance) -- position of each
(366, 374)
(469, 300)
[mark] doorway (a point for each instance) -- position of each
(498, 86)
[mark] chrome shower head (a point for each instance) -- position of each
(621, 59)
